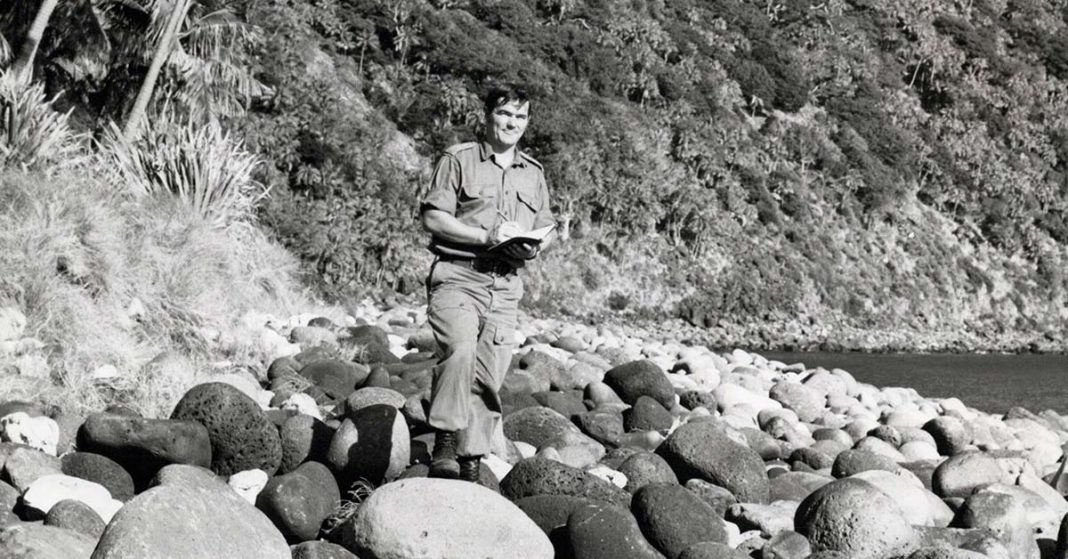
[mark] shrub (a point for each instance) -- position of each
(32, 134)
(202, 165)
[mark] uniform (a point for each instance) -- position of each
(473, 298)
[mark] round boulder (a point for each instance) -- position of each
(641, 378)
(303, 438)
(852, 516)
(704, 450)
(599, 530)
(242, 437)
(185, 522)
(673, 518)
(441, 518)
(373, 444)
(143, 446)
(644, 468)
(950, 434)
(299, 501)
(541, 476)
(963, 474)
(805, 401)
(100, 469)
(37, 541)
(75, 516)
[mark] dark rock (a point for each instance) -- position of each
(766, 446)
(242, 438)
(550, 512)
(887, 433)
(692, 399)
(544, 427)
(831, 434)
(283, 366)
(303, 438)
(644, 468)
(374, 445)
(539, 476)
(369, 344)
(100, 469)
(812, 458)
(298, 502)
(598, 531)
(29, 408)
(641, 378)
(703, 450)
(605, 427)
(617, 456)
(320, 550)
(190, 477)
(322, 322)
(672, 518)
(566, 404)
(143, 446)
(713, 495)
(336, 378)
(647, 415)
(950, 435)
(76, 516)
(852, 462)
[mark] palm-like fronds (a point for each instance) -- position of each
(201, 164)
(32, 134)
(6, 54)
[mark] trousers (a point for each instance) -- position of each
(473, 316)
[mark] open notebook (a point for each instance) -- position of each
(533, 236)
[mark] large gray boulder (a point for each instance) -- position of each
(37, 541)
(439, 519)
(852, 516)
(242, 437)
(704, 450)
(187, 521)
(641, 378)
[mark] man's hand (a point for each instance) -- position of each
(503, 231)
(521, 251)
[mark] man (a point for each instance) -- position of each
(481, 194)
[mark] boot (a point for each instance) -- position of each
(470, 468)
(444, 462)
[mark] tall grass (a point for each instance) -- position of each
(201, 164)
(32, 134)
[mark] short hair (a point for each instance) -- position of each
(503, 94)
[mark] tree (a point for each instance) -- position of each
(22, 68)
(163, 51)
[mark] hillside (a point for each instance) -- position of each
(789, 174)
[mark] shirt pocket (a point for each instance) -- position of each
(477, 205)
(527, 208)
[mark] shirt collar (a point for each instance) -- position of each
(485, 152)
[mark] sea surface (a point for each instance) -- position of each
(992, 383)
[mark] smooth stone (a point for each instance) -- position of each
(25, 465)
(248, 484)
(921, 507)
(37, 541)
(853, 461)
(964, 474)
(600, 530)
(100, 469)
(644, 468)
(48, 490)
(371, 395)
(647, 415)
(603, 426)
(641, 378)
(540, 476)
(805, 401)
(441, 518)
(303, 438)
(852, 516)
(41, 432)
(713, 495)
(673, 518)
(373, 445)
(704, 450)
(950, 434)
(184, 522)
(336, 378)
(298, 502)
(769, 519)
(786, 545)
(320, 550)
(76, 516)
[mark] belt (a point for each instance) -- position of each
(491, 266)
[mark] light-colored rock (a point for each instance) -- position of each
(920, 506)
(438, 519)
(248, 484)
(302, 403)
(615, 477)
(37, 541)
(41, 433)
(48, 490)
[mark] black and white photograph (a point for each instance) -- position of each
(534, 279)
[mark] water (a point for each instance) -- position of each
(992, 383)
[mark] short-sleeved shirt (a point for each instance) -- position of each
(469, 184)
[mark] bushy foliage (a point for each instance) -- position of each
(33, 135)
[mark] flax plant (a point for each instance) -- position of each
(32, 134)
(203, 165)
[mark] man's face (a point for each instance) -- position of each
(507, 124)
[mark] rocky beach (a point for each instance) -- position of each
(616, 442)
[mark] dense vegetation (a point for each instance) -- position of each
(877, 174)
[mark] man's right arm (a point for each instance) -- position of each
(445, 226)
